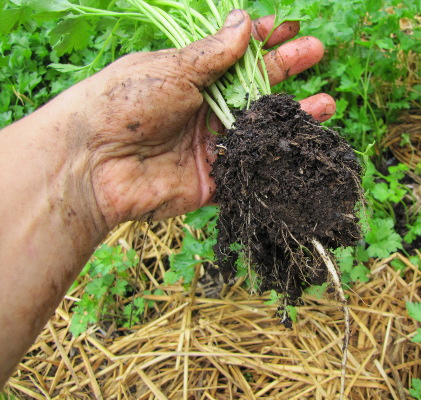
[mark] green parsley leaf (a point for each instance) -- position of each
(380, 191)
(183, 266)
(49, 5)
(345, 257)
(235, 95)
(316, 290)
(382, 238)
(199, 218)
(273, 298)
(414, 310)
(414, 230)
(85, 313)
(70, 34)
(292, 313)
(360, 273)
(415, 391)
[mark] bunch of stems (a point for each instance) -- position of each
(183, 25)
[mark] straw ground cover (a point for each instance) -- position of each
(192, 345)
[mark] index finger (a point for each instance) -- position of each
(262, 26)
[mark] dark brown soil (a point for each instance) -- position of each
(283, 180)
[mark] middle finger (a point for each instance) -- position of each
(292, 58)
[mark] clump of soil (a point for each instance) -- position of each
(282, 181)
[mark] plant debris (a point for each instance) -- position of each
(282, 182)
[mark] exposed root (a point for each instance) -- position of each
(337, 282)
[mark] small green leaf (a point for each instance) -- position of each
(345, 257)
(380, 191)
(8, 20)
(417, 337)
(360, 273)
(415, 390)
(170, 278)
(285, 12)
(64, 68)
(98, 287)
(237, 247)
(386, 43)
(292, 313)
(414, 310)
(119, 287)
(316, 290)
(415, 260)
(199, 218)
(134, 311)
(382, 238)
(235, 95)
(49, 5)
(361, 254)
(191, 245)
(414, 230)
(273, 298)
(85, 313)
(183, 265)
(398, 265)
(70, 34)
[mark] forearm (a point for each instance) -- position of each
(49, 224)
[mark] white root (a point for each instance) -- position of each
(337, 282)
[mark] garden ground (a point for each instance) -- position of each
(221, 343)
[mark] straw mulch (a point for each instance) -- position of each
(404, 140)
(192, 346)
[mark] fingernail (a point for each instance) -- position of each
(234, 19)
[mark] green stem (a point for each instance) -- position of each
(265, 87)
(105, 13)
(212, 29)
(104, 46)
(221, 102)
(164, 22)
(215, 12)
(219, 113)
(187, 27)
(241, 77)
(190, 19)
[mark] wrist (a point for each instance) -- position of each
(50, 145)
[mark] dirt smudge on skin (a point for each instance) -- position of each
(133, 126)
(282, 181)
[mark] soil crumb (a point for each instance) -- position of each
(283, 180)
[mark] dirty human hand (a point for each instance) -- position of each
(123, 144)
(149, 149)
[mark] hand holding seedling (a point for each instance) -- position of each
(128, 142)
(149, 149)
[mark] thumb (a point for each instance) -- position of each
(207, 59)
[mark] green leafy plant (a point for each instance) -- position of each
(194, 250)
(384, 193)
(285, 311)
(245, 268)
(351, 262)
(26, 81)
(415, 390)
(414, 311)
(107, 278)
